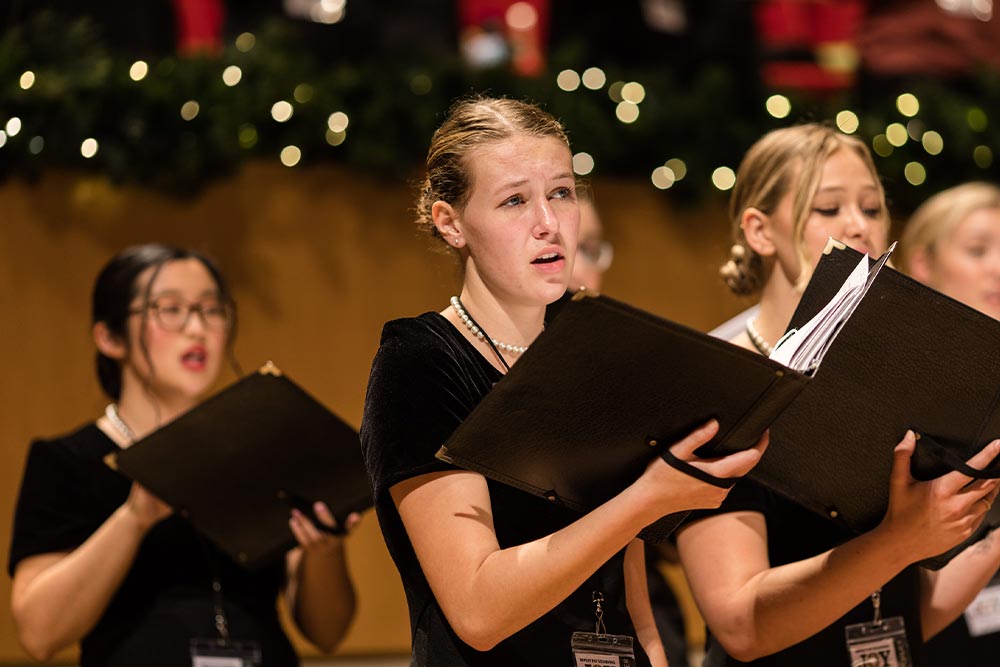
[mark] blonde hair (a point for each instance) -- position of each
(783, 160)
(473, 122)
(938, 216)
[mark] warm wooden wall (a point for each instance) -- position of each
(319, 260)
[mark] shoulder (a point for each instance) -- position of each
(86, 443)
(427, 333)
(427, 345)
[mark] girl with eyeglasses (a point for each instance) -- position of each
(99, 560)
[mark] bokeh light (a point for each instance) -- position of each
(232, 75)
(583, 163)
(138, 70)
(778, 106)
(627, 112)
(290, 156)
(663, 177)
(932, 142)
(594, 78)
(915, 173)
(88, 148)
(724, 178)
(190, 109)
(282, 111)
(848, 122)
(908, 105)
(568, 80)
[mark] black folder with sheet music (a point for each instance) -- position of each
(907, 357)
(605, 389)
(238, 463)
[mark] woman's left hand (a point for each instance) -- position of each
(311, 538)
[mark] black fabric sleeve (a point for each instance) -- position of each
(48, 516)
(416, 398)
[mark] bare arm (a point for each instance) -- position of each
(946, 593)
(639, 606)
(89, 576)
(755, 609)
(319, 591)
(488, 593)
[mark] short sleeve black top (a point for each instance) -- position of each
(166, 599)
(426, 378)
(793, 534)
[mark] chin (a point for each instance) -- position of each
(553, 292)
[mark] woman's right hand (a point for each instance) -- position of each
(669, 490)
(928, 518)
(146, 507)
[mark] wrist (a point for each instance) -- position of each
(134, 520)
(645, 504)
(896, 546)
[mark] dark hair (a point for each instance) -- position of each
(473, 122)
(116, 288)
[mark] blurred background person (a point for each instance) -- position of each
(98, 559)
(594, 253)
(952, 243)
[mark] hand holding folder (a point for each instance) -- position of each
(606, 389)
(237, 464)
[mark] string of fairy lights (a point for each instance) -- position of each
(187, 121)
(628, 95)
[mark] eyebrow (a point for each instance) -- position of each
(841, 188)
(519, 183)
(176, 292)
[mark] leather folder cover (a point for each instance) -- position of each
(236, 465)
(605, 389)
(908, 357)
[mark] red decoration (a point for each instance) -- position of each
(809, 44)
(199, 26)
(524, 24)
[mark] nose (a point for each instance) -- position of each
(858, 224)
(547, 222)
(195, 322)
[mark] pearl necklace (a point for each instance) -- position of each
(758, 341)
(111, 412)
(482, 335)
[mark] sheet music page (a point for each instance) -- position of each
(802, 349)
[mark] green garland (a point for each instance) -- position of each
(79, 89)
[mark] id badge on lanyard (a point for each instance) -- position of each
(881, 643)
(600, 649)
(223, 651)
(219, 653)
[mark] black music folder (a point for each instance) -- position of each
(906, 357)
(605, 389)
(238, 463)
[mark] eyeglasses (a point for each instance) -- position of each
(597, 253)
(173, 314)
